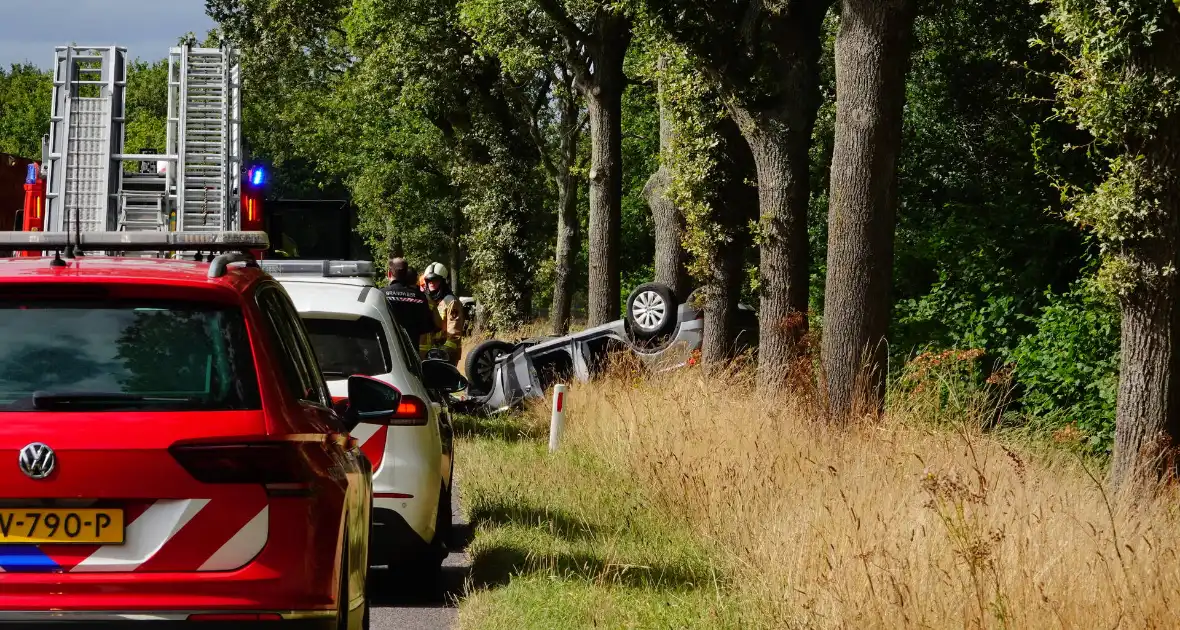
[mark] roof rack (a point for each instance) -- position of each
(320, 268)
(135, 241)
(234, 246)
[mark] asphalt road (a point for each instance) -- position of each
(404, 604)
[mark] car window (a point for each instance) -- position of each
(300, 374)
(408, 349)
(306, 352)
(345, 347)
(125, 354)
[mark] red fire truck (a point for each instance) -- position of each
(199, 183)
(14, 172)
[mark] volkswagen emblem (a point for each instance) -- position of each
(37, 460)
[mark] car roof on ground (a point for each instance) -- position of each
(122, 269)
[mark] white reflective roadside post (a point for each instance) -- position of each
(557, 421)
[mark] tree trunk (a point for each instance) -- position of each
(525, 305)
(671, 262)
(456, 245)
(736, 205)
(779, 135)
(1148, 415)
(567, 234)
(1147, 420)
(780, 149)
(721, 296)
(872, 57)
(604, 102)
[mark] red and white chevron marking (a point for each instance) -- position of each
(166, 535)
(371, 438)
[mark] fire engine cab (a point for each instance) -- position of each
(198, 184)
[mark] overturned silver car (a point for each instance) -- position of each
(658, 330)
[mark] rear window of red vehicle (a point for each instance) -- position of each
(124, 354)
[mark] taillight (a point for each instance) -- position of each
(411, 411)
(285, 468)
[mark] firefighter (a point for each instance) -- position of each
(409, 305)
(449, 338)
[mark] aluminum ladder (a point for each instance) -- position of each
(82, 157)
(144, 203)
(204, 135)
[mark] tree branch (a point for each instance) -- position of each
(534, 123)
(568, 29)
(577, 41)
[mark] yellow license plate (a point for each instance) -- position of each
(36, 526)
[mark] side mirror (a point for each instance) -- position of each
(370, 400)
(442, 376)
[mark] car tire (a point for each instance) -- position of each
(480, 366)
(443, 524)
(423, 569)
(651, 310)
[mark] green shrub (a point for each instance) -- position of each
(1067, 370)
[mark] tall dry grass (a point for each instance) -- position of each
(884, 525)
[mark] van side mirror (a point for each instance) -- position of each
(443, 377)
(370, 400)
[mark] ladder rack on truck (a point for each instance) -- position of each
(200, 186)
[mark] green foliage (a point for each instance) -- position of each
(641, 155)
(980, 234)
(291, 54)
(434, 116)
(1067, 370)
(693, 159)
(25, 96)
(392, 100)
(1106, 89)
(147, 108)
(971, 311)
(513, 31)
(1120, 86)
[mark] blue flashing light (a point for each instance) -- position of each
(257, 175)
(31, 174)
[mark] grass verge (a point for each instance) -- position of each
(572, 541)
(690, 500)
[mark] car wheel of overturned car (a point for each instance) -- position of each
(651, 310)
(480, 366)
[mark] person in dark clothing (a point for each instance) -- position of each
(407, 303)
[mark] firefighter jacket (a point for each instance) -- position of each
(449, 318)
(411, 309)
